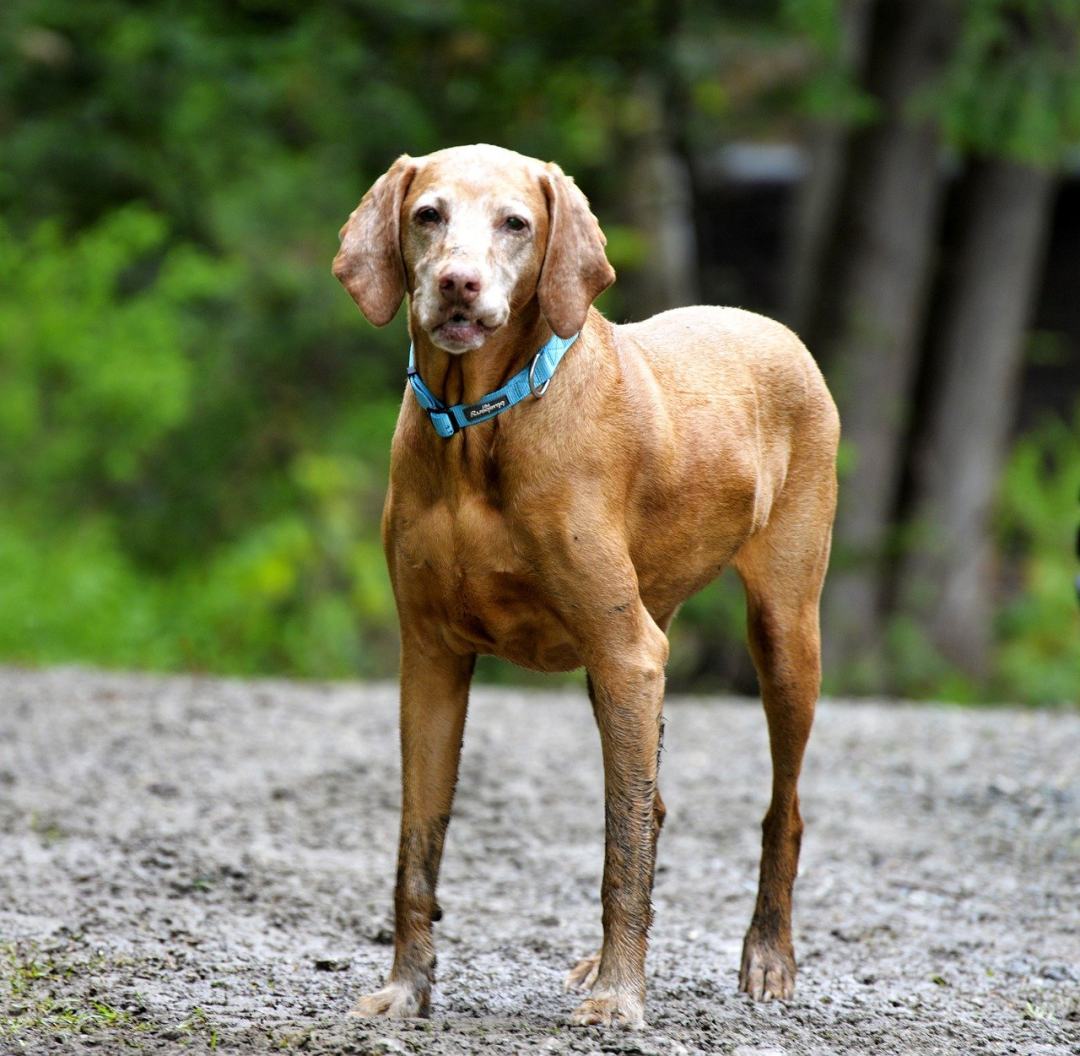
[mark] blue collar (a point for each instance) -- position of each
(533, 380)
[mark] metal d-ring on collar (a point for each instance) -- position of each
(537, 393)
(532, 381)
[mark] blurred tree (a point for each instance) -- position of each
(996, 81)
(948, 575)
(659, 193)
(867, 307)
(1012, 95)
(835, 105)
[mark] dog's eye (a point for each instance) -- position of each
(515, 223)
(427, 215)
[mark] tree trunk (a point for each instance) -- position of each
(866, 325)
(948, 578)
(818, 198)
(660, 207)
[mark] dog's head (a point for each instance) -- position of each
(473, 234)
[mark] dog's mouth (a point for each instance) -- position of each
(461, 331)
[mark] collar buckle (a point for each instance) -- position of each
(443, 412)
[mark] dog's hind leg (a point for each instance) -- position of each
(782, 569)
(434, 697)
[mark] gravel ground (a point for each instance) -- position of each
(193, 864)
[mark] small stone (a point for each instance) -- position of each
(163, 790)
(1057, 973)
(387, 1047)
(332, 964)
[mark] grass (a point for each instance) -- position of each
(22, 974)
(29, 1003)
(198, 1023)
(28, 985)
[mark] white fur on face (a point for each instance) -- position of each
(471, 233)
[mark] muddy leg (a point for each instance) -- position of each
(785, 647)
(628, 701)
(782, 569)
(434, 695)
(583, 975)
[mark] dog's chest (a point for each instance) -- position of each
(464, 569)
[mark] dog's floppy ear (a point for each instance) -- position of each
(576, 270)
(369, 263)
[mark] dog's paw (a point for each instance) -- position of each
(767, 973)
(610, 1010)
(583, 975)
(395, 1001)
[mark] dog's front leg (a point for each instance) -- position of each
(628, 687)
(434, 698)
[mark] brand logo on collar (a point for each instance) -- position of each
(478, 410)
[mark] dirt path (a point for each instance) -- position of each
(192, 864)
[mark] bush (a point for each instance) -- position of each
(1038, 652)
(148, 521)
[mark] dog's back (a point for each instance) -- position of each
(704, 356)
(744, 404)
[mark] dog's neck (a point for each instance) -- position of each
(467, 377)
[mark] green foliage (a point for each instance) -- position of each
(917, 669)
(1036, 648)
(304, 593)
(1012, 88)
(831, 93)
(1038, 655)
(712, 623)
(131, 533)
(90, 382)
(194, 419)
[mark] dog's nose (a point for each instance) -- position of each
(460, 284)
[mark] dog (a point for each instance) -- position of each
(559, 485)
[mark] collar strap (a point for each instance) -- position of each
(533, 380)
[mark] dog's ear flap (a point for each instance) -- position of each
(576, 270)
(369, 263)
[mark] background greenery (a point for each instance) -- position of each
(194, 419)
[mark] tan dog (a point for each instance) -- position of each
(567, 531)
